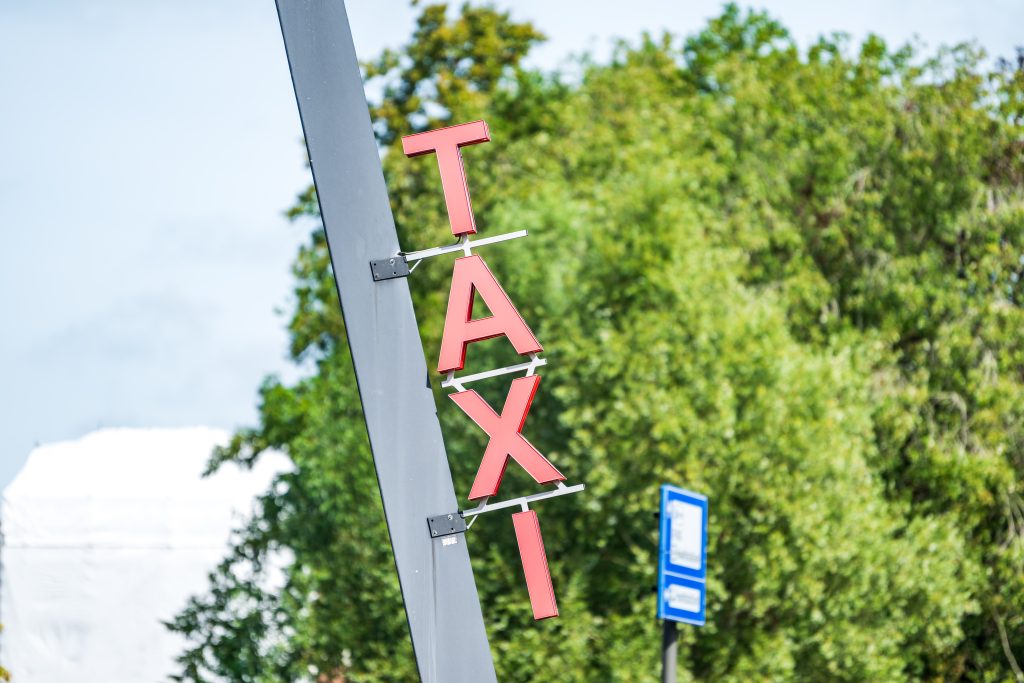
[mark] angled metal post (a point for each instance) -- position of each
(441, 603)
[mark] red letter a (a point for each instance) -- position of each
(445, 142)
(506, 439)
(471, 275)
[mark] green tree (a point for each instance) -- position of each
(5, 675)
(787, 278)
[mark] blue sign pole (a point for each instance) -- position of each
(682, 567)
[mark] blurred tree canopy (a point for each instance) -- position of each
(789, 278)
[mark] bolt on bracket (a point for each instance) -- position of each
(446, 525)
(389, 268)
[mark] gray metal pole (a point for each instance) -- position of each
(669, 648)
(441, 603)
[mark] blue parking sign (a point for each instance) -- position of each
(682, 555)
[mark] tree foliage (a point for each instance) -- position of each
(788, 278)
(5, 675)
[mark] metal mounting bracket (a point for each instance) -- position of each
(523, 501)
(446, 525)
(389, 268)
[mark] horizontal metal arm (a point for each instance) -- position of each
(523, 501)
(457, 382)
(463, 245)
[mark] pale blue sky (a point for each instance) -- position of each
(147, 151)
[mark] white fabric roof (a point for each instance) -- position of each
(104, 537)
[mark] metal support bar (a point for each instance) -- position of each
(457, 382)
(524, 501)
(398, 266)
(463, 245)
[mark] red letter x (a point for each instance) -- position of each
(506, 439)
(445, 142)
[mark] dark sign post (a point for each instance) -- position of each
(682, 567)
(441, 603)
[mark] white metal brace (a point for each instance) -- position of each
(458, 382)
(465, 245)
(523, 501)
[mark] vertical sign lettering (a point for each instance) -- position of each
(471, 278)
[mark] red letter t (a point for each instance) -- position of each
(445, 142)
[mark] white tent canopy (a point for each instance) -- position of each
(104, 538)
